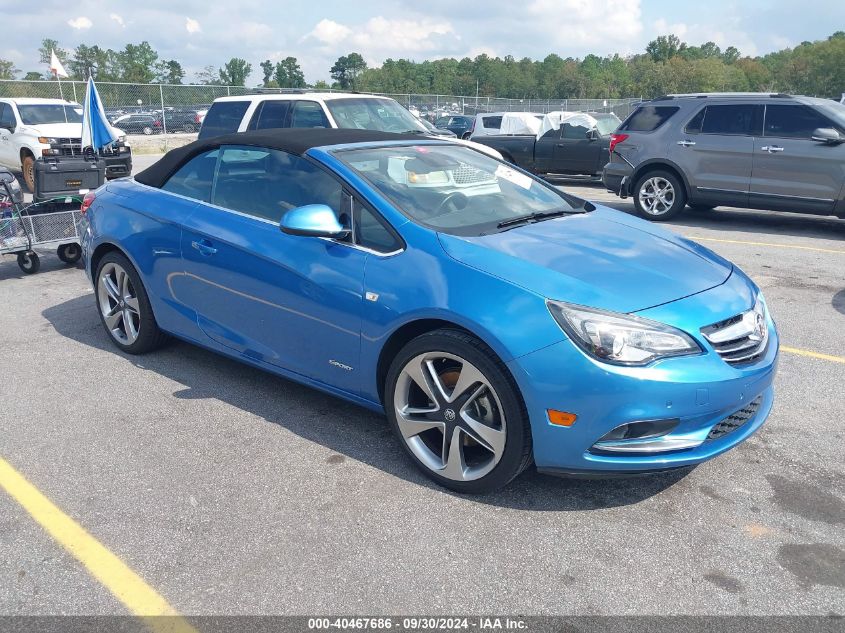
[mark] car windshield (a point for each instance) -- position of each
(835, 111)
(373, 114)
(50, 113)
(455, 189)
(607, 124)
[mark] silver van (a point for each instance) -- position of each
(764, 151)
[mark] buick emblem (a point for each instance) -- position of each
(449, 415)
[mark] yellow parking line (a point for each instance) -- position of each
(805, 352)
(141, 599)
(772, 244)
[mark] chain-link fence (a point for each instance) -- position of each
(181, 103)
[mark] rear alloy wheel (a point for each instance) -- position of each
(188, 129)
(124, 307)
(457, 412)
(147, 130)
(28, 168)
(659, 196)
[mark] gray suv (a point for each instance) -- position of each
(764, 151)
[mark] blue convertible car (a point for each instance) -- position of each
(495, 319)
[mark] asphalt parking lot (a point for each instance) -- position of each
(231, 491)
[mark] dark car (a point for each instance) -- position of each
(578, 146)
(436, 131)
(139, 124)
(182, 120)
(460, 125)
(776, 152)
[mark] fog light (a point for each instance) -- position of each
(561, 418)
(641, 430)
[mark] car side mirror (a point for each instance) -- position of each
(827, 135)
(593, 134)
(313, 220)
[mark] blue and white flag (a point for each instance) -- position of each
(96, 131)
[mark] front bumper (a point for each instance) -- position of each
(699, 391)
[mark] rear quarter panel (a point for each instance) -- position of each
(145, 224)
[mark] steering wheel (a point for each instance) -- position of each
(456, 199)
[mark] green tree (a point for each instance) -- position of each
(209, 76)
(321, 85)
(664, 48)
(234, 72)
(347, 69)
(138, 63)
(268, 69)
(48, 45)
(169, 72)
(33, 75)
(288, 74)
(7, 69)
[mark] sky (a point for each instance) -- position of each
(198, 33)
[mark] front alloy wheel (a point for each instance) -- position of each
(458, 412)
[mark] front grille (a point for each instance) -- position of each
(73, 147)
(735, 420)
(741, 338)
(466, 175)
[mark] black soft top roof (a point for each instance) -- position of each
(292, 140)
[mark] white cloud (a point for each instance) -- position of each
(192, 26)
(380, 37)
(80, 23)
(118, 19)
(329, 32)
(574, 23)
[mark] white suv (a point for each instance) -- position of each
(50, 128)
(316, 109)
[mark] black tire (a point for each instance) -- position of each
(701, 207)
(29, 262)
(149, 337)
(189, 129)
(69, 253)
(661, 212)
(28, 168)
(147, 131)
(466, 136)
(517, 453)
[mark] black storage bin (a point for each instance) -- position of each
(67, 175)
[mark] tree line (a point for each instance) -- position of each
(667, 65)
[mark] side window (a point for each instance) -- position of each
(371, 231)
(648, 118)
(266, 183)
(194, 178)
(270, 114)
(224, 117)
(793, 121)
(694, 126)
(7, 119)
(578, 132)
(493, 122)
(308, 114)
(729, 119)
(442, 122)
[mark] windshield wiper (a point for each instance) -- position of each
(531, 218)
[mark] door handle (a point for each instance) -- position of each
(204, 247)
(686, 143)
(771, 149)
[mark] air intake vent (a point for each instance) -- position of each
(742, 338)
(735, 420)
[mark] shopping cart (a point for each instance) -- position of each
(23, 230)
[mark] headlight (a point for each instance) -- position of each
(47, 140)
(620, 339)
(121, 138)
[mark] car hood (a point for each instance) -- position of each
(62, 130)
(603, 259)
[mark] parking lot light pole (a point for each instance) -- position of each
(163, 115)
